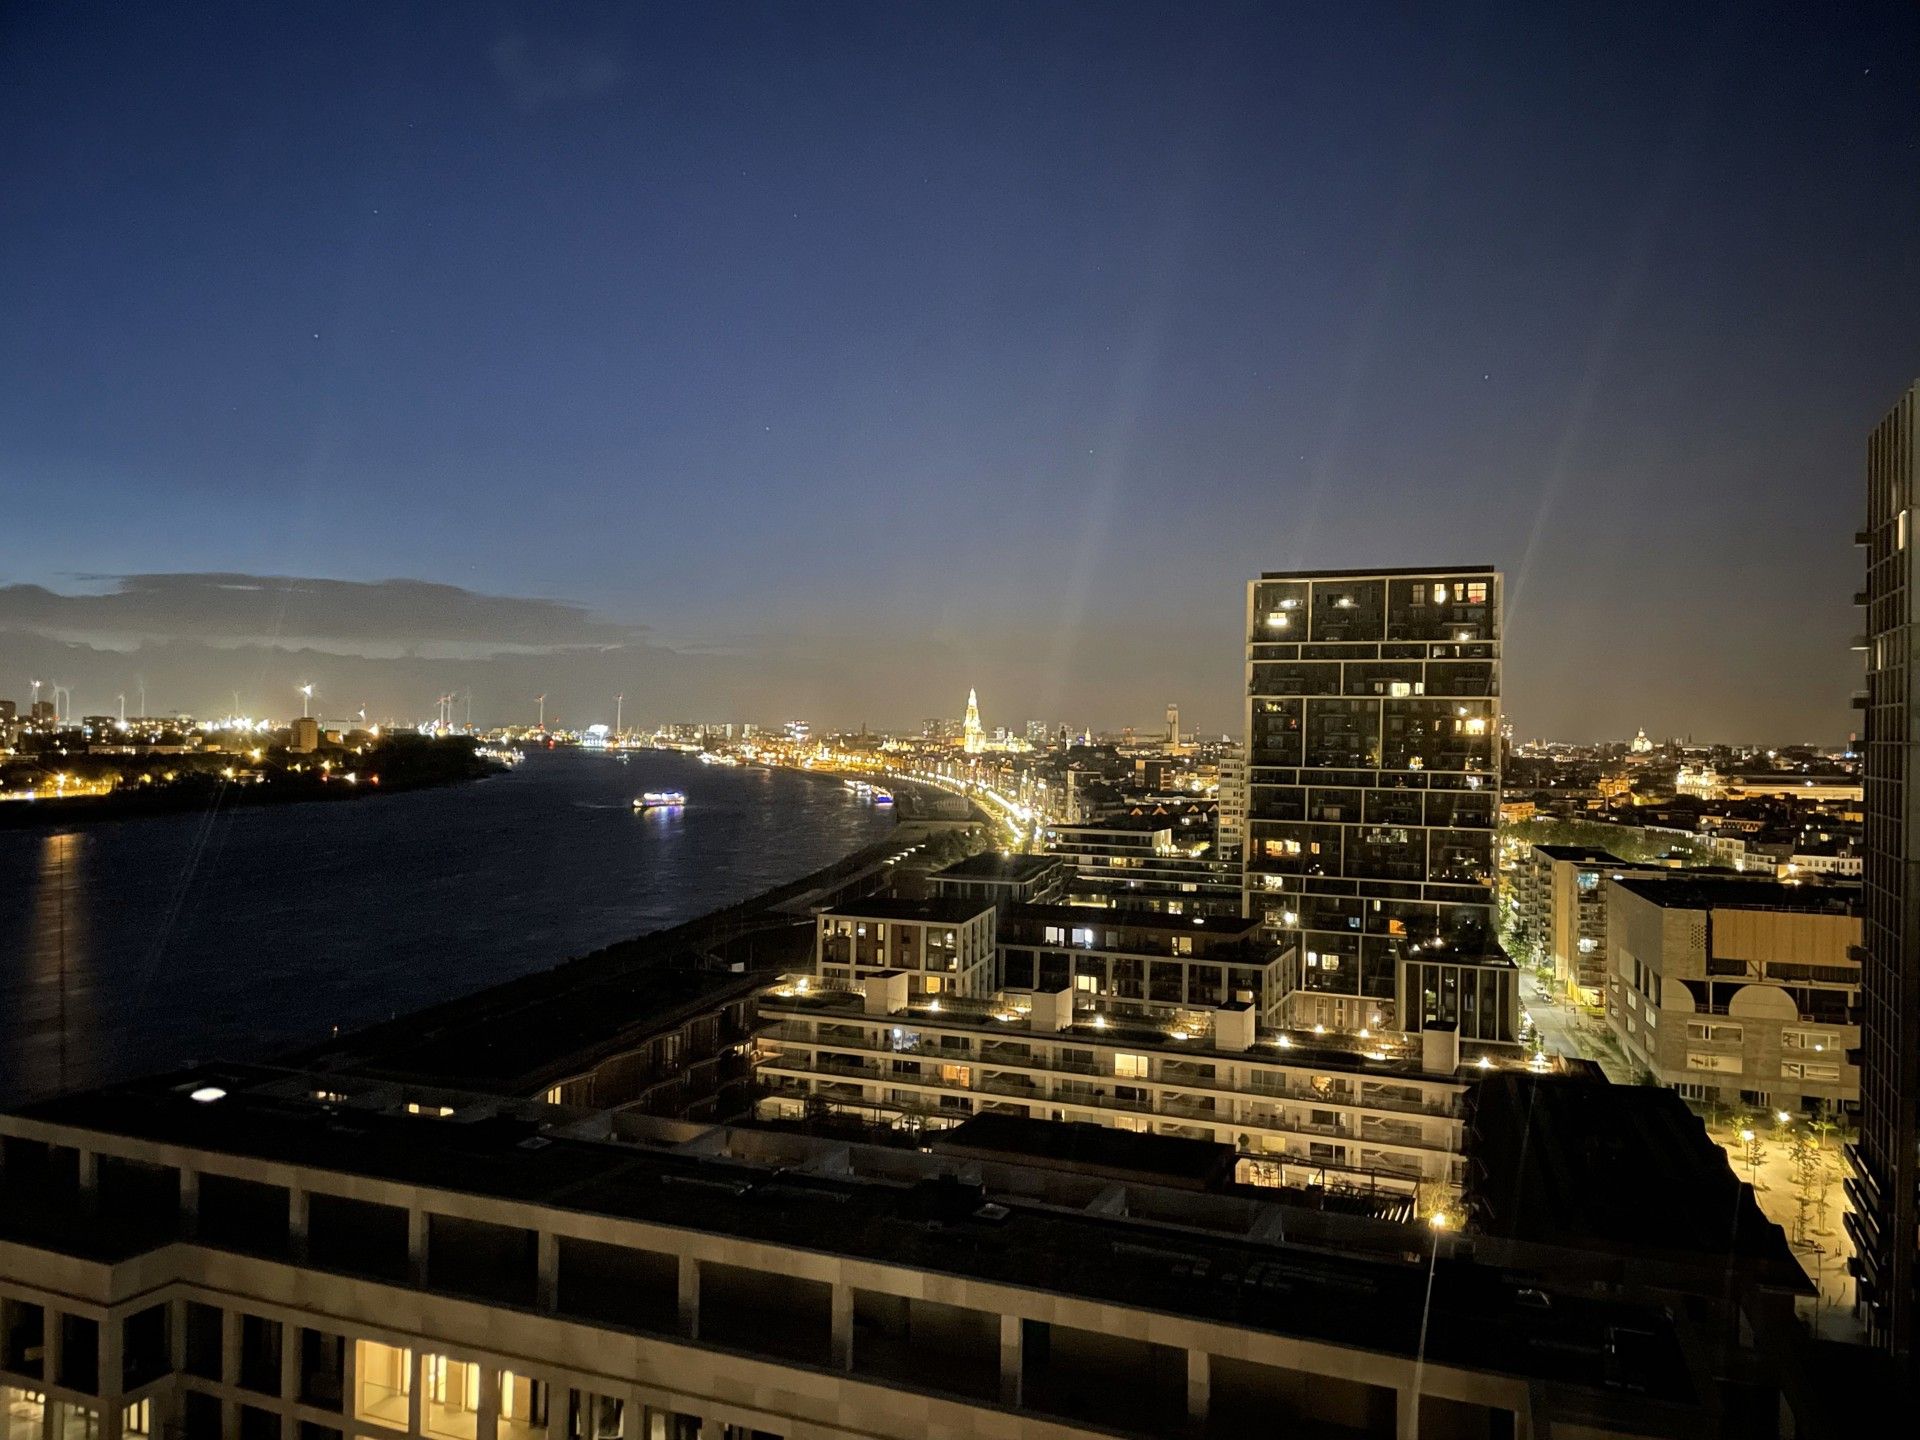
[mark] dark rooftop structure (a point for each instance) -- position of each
(1581, 854)
(528, 1034)
(945, 909)
(992, 865)
(1089, 1149)
(1626, 1169)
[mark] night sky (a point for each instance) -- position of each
(828, 359)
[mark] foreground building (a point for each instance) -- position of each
(1885, 1188)
(1373, 781)
(1742, 992)
(243, 1254)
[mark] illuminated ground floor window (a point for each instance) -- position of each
(75, 1422)
(385, 1381)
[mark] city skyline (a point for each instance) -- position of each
(836, 415)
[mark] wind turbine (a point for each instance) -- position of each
(306, 696)
(123, 712)
(619, 701)
(35, 704)
(543, 712)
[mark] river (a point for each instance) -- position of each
(144, 944)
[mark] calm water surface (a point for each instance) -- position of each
(146, 944)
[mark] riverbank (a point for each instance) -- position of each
(393, 770)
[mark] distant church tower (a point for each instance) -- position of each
(1173, 725)
(971, 740)
(1641, 744)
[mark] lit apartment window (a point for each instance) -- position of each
(1723, 1034)
(450, 1398)
(1476, 592)
(136, 1420)
(75, 1422)
(1130, 1067)
(437, 1112)
(523, 1408)
(385, 1380)
(1725, 1064)
(1818, 1070)
(1815, 1040)
(21, 1412)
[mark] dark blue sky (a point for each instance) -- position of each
(861, 353)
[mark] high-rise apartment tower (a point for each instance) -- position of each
(1373, 783)
(1884, 1211)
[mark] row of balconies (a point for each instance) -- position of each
(877, 1088)
(1019, 1081)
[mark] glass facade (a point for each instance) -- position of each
(1373, 779)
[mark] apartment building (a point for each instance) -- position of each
(1885, 1185)
(1143, 962)
(1002, 880)
(249, 1254)
(1301, 1109)
(1373, 780)
(1563, 901)
(1160, 860)
(945, 944)
(1740, 991)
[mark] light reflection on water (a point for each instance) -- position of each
(147, 944)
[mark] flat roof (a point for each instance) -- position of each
(1586, 854)
(1696, 892)
(940, 910)
(1388, 573)
(992, 865)
(1084, 1145)
(1088, 915)
(1465, 1313)
(525, 1035)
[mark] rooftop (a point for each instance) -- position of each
(942, 910)
(521, 1037)
(1582, 854)
(992, 865)
(1389, 1301)
(1364, 572)
(1687, 891)
(1100, 917)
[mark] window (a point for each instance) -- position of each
(1476, 592)
(1827, 1070)
(1817, 1041)
(1725, 1064)
(523, 1408)
(20, 1413)
(1718, 1034)
(385, 1380)
(450, 1398)
(136, 1420)
(1133, 1067)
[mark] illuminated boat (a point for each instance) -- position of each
(661, 800)
(882, 797)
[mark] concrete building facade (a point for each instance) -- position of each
(1739, 991)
